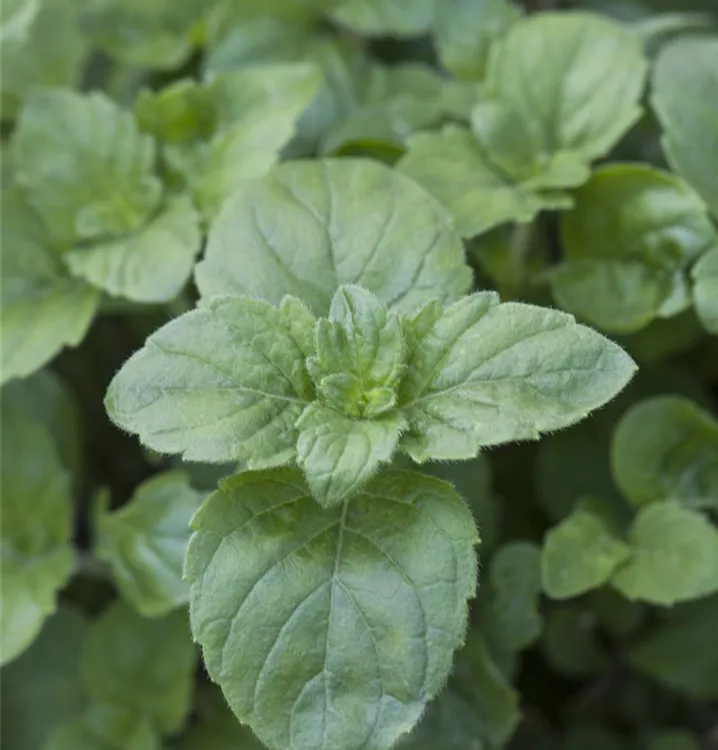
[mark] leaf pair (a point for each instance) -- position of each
(241, 380)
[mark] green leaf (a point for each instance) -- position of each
(627, 243)
(385, 17)
(256, 111)
(570, 642)
(512, 619)
(43, 308)
(705, 283)
(666, 448)
(41, 46)
(681, 652)
(580, 554)
(368, 603)
(674, 739)
(156, 34)
(144, 542)
(359, 223)
(104, 727)
(37, 558)
(225, 382)
(465, 30)
(85, 165)
(339, 453)
(487, 373)
(150, 265)
(141, 667)
(450, 722)
(674, 556)
(41, 688)
(685, 86)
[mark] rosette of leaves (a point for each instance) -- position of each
(537, 129)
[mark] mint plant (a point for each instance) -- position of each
(359, 375)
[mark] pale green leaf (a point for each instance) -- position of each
(339, 453)
(570, 642)
(666, 448)
(386, 17)
(344, 621)
(156, 34)
(487, 373)
(453, 167)
(144, 542)
(150, 265)
(141, 667)
(681, 653)
(87, 168)
(684, 95)
(43, 308)
(40, 45)
(705, 290)
(627, 244)
(674, 556)
(225, 382)
(104, 727)
(465, 30)
(37, 558)
(41, 688)
(357, 222)
(580, 554)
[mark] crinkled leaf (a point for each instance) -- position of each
(385, 17)
(150, 265)
(87, 168)
(627, 242)
(666, 448)
(37, 558)
(105, 727)
(580, 554)
(339, 453)
(685, 89)
(343, 623)
(705, 290)
(41, 688)
(156, 34)
(141, 667)
(458, 173)
(43, 308)
(681, 653)
(570, 642)
(358, 222)
(674, 556)
(144, 542)
(225, 382)
(41, 46)
(465, 30)
(487, 373)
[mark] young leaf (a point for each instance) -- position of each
(685, 85)
(144, 667)
(487, 373)
(150, 265)
(633, 232)
(580, 554)
(41, 46)
(666, 448)
(225, 382)
(87, 169)
(385, 17)
(357, 222)
(43, 308)
(41, 688)
(681, 653)
(144, 542)
(37, 558)
(705, 284)
(674, 556)
(465, 30)
(339, 453)
(367, 602)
